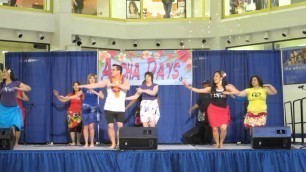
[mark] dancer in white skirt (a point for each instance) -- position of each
(149, 108)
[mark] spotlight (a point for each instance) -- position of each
(19, 34)
(266, 36)
(135, 44)
(285, 33)
(113, 42)
(203, 41)
(93, 41)
(41, 36)
(181, 43)
(247, 38)
(157, 44)
(229, 40)
(77, 40)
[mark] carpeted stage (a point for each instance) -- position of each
(167, 158)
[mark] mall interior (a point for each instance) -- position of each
(57, 25)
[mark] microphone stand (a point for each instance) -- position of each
(25, 123)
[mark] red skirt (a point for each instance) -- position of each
(218, 116)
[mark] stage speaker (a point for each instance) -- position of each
(271, 138)
(133, 138)
(7, 139)
(198, 135)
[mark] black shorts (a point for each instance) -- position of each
(111, 115)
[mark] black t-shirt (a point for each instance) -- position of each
(203, 101)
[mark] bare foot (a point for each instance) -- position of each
(112, 147)
(92, 146)
(216, 145)
(221, 146)
(85, 146)
(79, 144)
(72, 144)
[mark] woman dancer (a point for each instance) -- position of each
(257, 96)
(149, 108)
(10, 113)
(218, 111)
(74, 112)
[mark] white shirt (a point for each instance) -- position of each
(113, 103)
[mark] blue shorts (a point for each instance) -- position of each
(89, 114)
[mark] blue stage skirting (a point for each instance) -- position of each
(157, 161)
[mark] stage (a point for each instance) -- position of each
(179, 157)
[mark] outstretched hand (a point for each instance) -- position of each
(55, 92)
(185, 83)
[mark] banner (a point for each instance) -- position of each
(169, 67)
(294, 66)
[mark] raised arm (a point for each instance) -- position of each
(99, 94)
(270, 89)
(152, 92)
(59, 97)
(197, 90)
(100, 84)
(78, 94)
(231, 90)
(24, 87)
(125, 86)
(135, 96)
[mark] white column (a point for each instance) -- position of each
(63, 17)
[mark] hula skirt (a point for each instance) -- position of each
(10, 117)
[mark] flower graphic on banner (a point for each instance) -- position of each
(103, 55)
(183, 55)
(189, 64)
(122, 57)
(146, 54)
(156, 55)
(131, 55)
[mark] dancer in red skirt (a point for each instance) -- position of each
(218, 111)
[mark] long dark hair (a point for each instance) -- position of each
(135, 7)
(75, 82)
(260, 83)
(12, 76)
(224, 82)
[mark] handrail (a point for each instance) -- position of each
(301, 115)
(292, 119)
(302, 119)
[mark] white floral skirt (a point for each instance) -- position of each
(149, 111)
(258, 120)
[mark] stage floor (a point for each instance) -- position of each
(161, 147)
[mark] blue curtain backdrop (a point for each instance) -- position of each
(239, 67)
(44, 72)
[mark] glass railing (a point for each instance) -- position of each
(37, 5)
(143, 9)
(232, 8)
